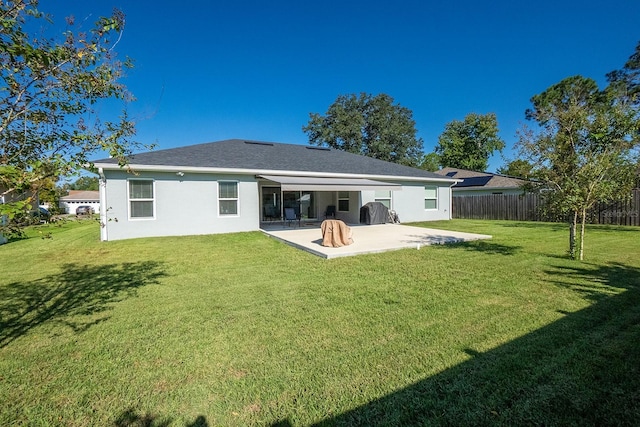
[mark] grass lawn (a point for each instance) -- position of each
(241, 329)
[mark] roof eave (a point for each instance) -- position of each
(240, 171)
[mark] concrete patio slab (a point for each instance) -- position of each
(370, 238)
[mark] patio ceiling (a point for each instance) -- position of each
(305, 183)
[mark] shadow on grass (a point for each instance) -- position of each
(78, 290)
(593, 282)
(132, 418)
(432, 239)
(583, 369)
(484, 247)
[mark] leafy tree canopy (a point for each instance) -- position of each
(370, 125)
(517, 168)
(50, 92)
(468, 144)
(430, 162)
(627, 80)
(583, 150)
(83, 183)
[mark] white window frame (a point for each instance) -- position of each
(237, 199)
(430, 187)
(152, 199)
(377, 198)
(348, 199)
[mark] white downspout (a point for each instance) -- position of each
(451, 200)
(104, 232)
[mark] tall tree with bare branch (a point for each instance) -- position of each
(52, 85)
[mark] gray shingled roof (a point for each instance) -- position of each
(258, 155)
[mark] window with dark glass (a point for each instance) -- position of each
(343, 201)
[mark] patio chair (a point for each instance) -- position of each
(290, 216)
(271, 213)
(330, 212)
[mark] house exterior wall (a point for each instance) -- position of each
(183, 205)
(324, 199)
(188, 205)
(331, 198)
(15, 197)
(409, 202)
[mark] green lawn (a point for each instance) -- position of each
(241, 329)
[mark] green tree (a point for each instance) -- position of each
(49, 193)
(627, 79)
(468, 144)
(89, 183)
(430, 162)
(51, 88)
(517, 168)
(583, 152)
(370, 125)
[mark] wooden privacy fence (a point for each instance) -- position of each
(528, 207)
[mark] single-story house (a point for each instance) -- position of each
(237, 185)
(474, 183)
(75, 198)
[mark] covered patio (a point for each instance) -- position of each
(368, 238)
(310, 197)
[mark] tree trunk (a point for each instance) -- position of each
(584, 219)
(572, 235)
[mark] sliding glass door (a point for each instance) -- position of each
(303, 202)
(271, 206)
(274, 201)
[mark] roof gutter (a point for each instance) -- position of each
(239, 171)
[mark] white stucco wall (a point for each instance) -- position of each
(324, 199)
(186, 205)
(409, 202)
(352, 216)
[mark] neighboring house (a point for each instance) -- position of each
(75, 198)
(237, 185)
(481, 183)
(13, 196)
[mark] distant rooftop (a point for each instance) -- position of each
(84, 195)
(473, 179)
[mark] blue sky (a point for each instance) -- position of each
(213, 70)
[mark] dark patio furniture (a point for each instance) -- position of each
(330, 212)
(290, 216)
